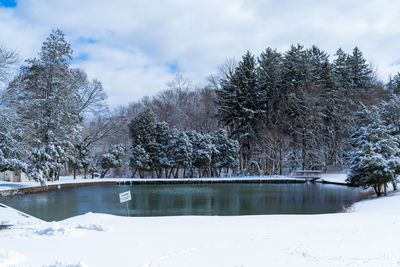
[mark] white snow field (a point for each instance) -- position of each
(367, 235)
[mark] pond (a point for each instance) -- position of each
(199, 199)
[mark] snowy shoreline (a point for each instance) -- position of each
(340, 239)
(94, 239)
(9, 188)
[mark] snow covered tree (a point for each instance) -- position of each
(376, 158)
(81, 159)
(112, 159)
(202, 149)
(140, 161)
(241, 105)
(158, 149)
(91, 94)
(179, 151)
(8, 59)
(224, 153)
(269, 83)
(45, 96)
(142, 128)
(394, 84)
(13, 151)
(360, 72)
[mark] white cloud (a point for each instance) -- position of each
(130, 44)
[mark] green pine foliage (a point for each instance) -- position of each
(375, 161)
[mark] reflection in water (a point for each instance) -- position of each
(203, 199)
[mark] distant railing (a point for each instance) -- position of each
(308, 174)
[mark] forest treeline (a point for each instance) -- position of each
(275, 112)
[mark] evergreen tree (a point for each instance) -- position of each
(376, 158)
(13, 151)
(158, 149)
(394, 84)
(360, 72)
(81, 159)
(179, 151)
(112, 159)
(224, 153)
(45, 97)
(241, 105)
(202, 149)
(139, 161)
(269, 83)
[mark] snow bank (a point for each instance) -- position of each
(66, 264)
(334, 177)
(66, 230)
(10, 216)
(366, 236)
(10, 258)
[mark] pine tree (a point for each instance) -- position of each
(179, 151)
(376, 158)
(159, 148)
(269, 83)
(13, 151)
(81, 159)
(112, 159)
(394, 84)
(224, 153)
(241, 105)
(201, 151)
(140, 161)
(45, 97)
(360, 72)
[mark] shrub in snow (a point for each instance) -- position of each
(139, 161)
(376, 158)
(165, 151)
(112, 159)
(225, 152)
(202, 150)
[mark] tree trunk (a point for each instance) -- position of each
(394, 186)
(74, 173)
(134, 172)
(280, 161)
(241, 161)
(303, 148)
(103, 174)
(384, 190)
(170, 172)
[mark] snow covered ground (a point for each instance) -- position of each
(367, 235)
(334, 177)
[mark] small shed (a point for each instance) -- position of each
(14, 176)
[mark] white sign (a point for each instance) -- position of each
(125, 196)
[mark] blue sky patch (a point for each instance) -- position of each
(87, 40)
(396, 62)
(173, 67)
(81, 57)
(8, 3)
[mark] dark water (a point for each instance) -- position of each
(200, 199)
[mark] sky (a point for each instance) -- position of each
(136, 47)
